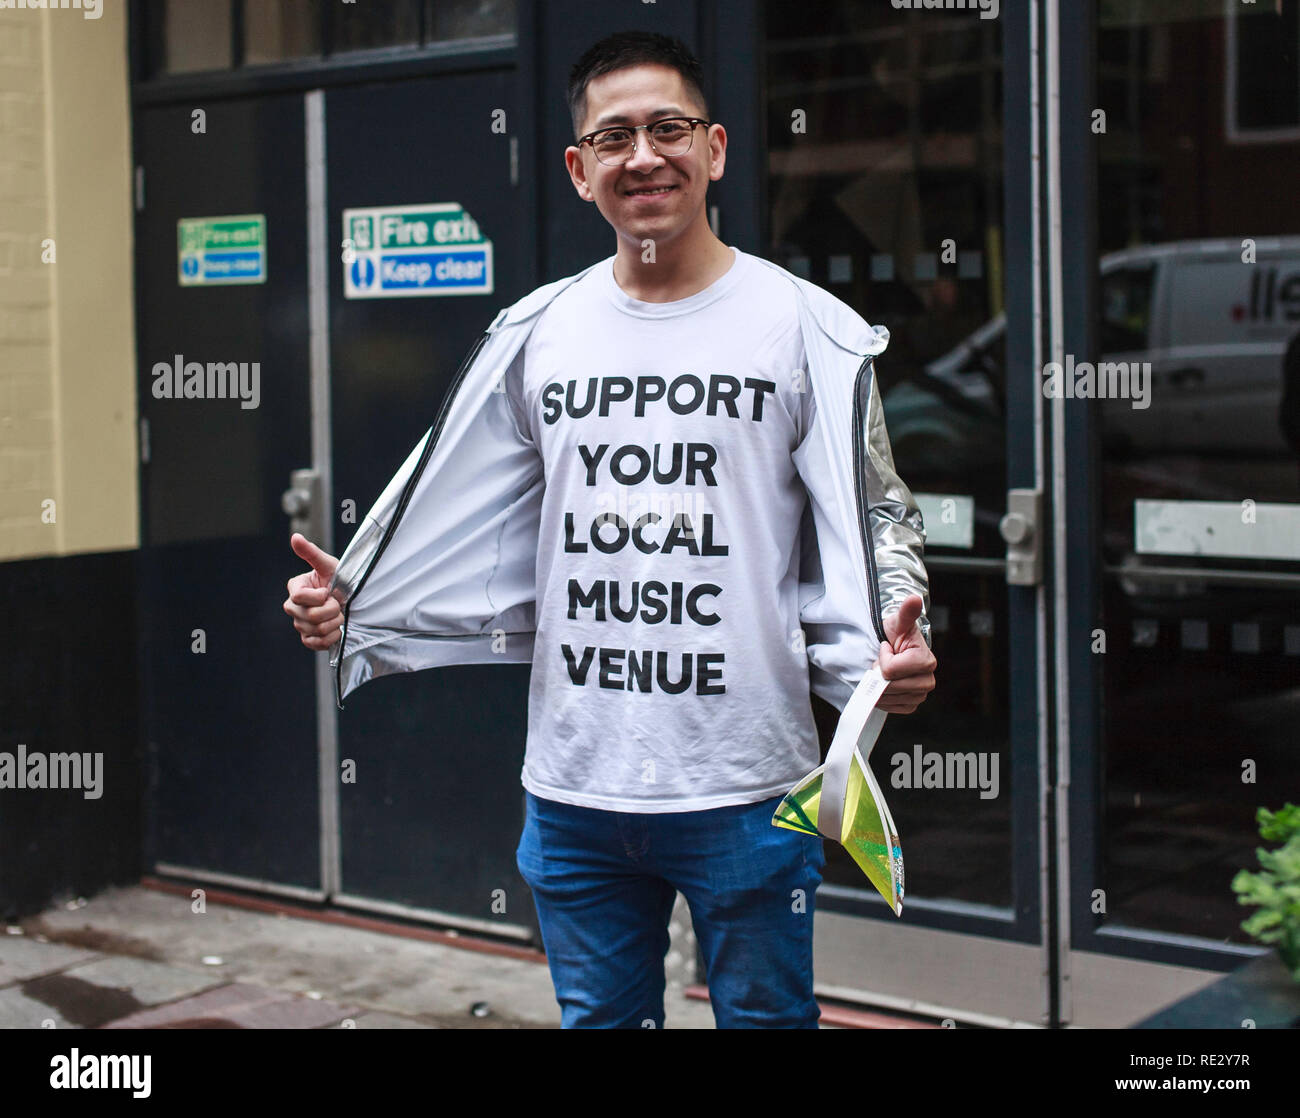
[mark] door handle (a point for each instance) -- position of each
(1021, 529)
(301, 503)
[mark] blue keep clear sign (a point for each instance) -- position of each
(221, 250)
(433, 249)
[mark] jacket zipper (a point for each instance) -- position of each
(404, 500)
(859, 485)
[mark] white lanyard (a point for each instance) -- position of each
(859, 727)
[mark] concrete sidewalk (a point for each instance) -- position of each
(141, 958)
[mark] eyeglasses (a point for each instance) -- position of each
(670, 136)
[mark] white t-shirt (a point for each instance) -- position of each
(669, 671)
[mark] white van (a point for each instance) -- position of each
(1213, 328)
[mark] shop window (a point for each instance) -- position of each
(1264, 71)
(467, 19)
(195, 35)
(375, 23)
(275, 30)
(187, 36)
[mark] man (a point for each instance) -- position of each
(664, 427)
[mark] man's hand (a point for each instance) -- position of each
(906, 660)
(316, 613)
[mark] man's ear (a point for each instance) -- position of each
(578, 173)
(717, 152)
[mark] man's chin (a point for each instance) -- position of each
(660, 227)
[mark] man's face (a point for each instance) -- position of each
(641, 95)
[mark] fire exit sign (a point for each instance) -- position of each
(219, 250)
(431, 249)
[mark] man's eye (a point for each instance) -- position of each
(670, 130)
(619, 137)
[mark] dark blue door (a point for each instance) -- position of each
(431, 823)
(228, 707)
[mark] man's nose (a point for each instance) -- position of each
(644, 156)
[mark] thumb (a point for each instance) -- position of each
(321, 562)
(900, 625)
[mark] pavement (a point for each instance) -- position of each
(143, 957)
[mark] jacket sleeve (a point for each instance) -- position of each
(862, 538)
(897, 530)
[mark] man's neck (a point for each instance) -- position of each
(679, 270)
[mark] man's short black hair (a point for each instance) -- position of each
(632, 48)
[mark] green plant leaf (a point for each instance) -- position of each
(1276, 890)
(1278, 826)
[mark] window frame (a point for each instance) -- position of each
(152, 85)
(1234, 133)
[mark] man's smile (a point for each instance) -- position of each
(657, 191)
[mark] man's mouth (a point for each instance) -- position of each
(651, 190)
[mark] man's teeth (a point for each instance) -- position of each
(657, 190)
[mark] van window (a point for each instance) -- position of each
(1126, 308)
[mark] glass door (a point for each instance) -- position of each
(1189, 453)
(899, 178)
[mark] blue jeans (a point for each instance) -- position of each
(604, 883)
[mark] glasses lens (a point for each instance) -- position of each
(614, 147)
(672, 137)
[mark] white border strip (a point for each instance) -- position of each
(318, 321)
(863, 1000)
(254, 884)
(1060, 576)
(1041, 627)
(1040, 593)
(434, 916)
(1217, 529)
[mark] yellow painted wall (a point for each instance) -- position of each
(67, 341)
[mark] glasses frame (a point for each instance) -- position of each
(590, 137)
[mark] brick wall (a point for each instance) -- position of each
(67, 395)
(28, 433)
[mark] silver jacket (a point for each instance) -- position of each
(443, 568)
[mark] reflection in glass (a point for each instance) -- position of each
(467, 19)
(885, 187)
(196, 35)
(1200, 288)
(1263, 69)
(376, 23)
(281, 29)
